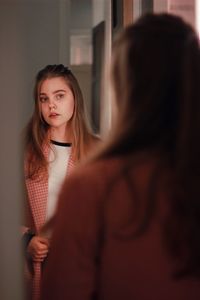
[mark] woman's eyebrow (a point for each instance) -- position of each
(57, 91)
(54, 92)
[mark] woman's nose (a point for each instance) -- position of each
(52, 104)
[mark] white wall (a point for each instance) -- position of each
(11, 78)
(40, 24)
(29, 35)
(98, 11)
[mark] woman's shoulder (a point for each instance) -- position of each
(91, 180)
(110, 169)
(98, 172)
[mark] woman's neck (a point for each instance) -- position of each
(59, 135)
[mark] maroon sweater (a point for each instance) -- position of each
(93, 254)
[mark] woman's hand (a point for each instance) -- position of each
(38, 248)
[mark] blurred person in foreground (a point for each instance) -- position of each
(128, 223)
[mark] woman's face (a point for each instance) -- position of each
(56, 102)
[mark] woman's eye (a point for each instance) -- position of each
(59, 96)
(43, 99)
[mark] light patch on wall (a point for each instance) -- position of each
(197, 16)
(183, 8)
(80, 49)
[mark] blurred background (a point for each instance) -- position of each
(34, 33)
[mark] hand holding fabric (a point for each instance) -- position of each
(38, 248)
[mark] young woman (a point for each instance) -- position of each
(57, 137)
(136, 235)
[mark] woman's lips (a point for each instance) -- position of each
(53, 115)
